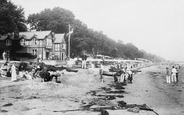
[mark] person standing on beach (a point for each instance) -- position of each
(173, 76)
(168, 80)
(13, 73)
(84, 58)
(177, 73)
(4, 55)
(130, 75)
(101, 73)
(122, 77)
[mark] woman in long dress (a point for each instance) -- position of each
(13, 73)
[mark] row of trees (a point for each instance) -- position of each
(83, 38)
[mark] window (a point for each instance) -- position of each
(57, 47)
(40, 42)
(48, 43)
(62, 57)
(27, 42)
(34, 41)
(8, 42)
(63, 46)
(34, 52)
(22, 42)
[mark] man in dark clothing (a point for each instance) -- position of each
(117, 74)
(45, 75)
(177, 80)
(84, 58)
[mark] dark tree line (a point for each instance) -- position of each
(12, 18)
(12, 21)
(83, 38)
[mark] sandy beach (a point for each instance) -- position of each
(32, 97)
(150, 87)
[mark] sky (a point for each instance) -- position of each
(156, 26)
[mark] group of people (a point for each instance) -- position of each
(121, 73)
(15, 72)
(9, 71)
(172, 76)
(32, 70)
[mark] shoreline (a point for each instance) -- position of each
(152, 90)
(173, 90)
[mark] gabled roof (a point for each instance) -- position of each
(5, 37)
(59, 38)
(37, 34)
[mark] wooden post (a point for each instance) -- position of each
(69, 35)
(69, 46)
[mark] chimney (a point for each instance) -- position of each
(16, 33)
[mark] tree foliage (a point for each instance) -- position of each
(85, 39)
(11, 18)
(56, 20)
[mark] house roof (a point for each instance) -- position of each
(5, 37)
(59, 38)
(37, 34)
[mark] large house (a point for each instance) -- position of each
(59, 48)
(5, 44)
(43, 44)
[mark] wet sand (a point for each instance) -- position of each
(150, 87)
(78, 89)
